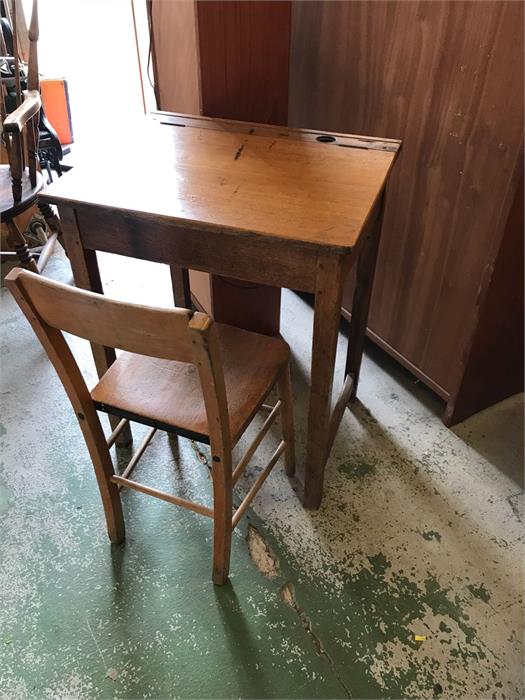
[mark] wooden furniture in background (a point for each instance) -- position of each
(225, 59)
(20, 183)
(21, 179)
(222, 59)
(254, 307)
(447, 78)
(275, 206)
(179, 372)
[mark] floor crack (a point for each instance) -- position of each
(268, 564)
(288, 595)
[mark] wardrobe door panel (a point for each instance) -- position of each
(447, 78)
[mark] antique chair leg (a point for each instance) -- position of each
(52, 221)
(18, 242)
(51, 218)
(284, 389)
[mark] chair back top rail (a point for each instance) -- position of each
(144, 330)
(171, 334)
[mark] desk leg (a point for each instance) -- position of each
(327, 319)
(87, 276)
(180, 281)
(366, 265)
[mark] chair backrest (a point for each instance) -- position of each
(20, 128)
(171, 334)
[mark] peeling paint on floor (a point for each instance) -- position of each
(261, 554)
(406, 583)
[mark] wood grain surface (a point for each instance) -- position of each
(226, 178)
(244, 52)
(447, 78)
(170, 392)
(494, 368)
(176, 60)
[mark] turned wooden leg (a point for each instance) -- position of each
(366, 265)
(17, 241)
(87, 276)
(32, 148)
(53, 222)
(327, 319)
(284, 390)
(16, 160)
(51, 218)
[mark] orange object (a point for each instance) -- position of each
(55, 99)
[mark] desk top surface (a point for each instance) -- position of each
(214, 174)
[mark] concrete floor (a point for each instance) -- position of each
(420, 535)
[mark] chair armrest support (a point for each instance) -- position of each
(16, 121)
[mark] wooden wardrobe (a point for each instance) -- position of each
(225, 59)
(447, 78)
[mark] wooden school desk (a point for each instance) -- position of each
(277, 206)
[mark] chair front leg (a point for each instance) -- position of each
(222, 517)
(17, 241)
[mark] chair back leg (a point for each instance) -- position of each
(284, 389)
(103, 466)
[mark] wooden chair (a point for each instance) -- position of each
(21, 180)
(179, 372)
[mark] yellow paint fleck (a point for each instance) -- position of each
(420, 638)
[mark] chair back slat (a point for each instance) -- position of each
(143, 330)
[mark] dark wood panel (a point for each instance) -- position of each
(176, 56)
(244, 58)
(494, 369)
(158, 239)
(447, 78)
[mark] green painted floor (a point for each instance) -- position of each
(420, 535)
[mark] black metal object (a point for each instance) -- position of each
(50, 151)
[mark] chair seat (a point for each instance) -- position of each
(8, 208)
(168, 394)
